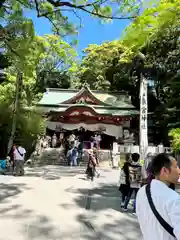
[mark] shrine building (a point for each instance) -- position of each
(88, 111)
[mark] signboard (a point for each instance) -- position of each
(143, 119)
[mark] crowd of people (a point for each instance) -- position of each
(56, 141)
(156, 203)
(72, 147)
(72, 144)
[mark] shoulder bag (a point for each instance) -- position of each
(21, 154)
(163, 223)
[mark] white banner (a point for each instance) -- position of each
(143, 119)
(108, 129)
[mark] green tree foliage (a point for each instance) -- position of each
(151, 23)
(48, 55)
(29, 125)
(57, 12)
(155, 33)
(101, 64)
(56, 63)
(175, 134)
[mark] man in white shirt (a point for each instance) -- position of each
(19, 155)
(164, 200)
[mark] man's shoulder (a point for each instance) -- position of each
(173, 196)
(164, 192)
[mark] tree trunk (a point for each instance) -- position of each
(15, 112)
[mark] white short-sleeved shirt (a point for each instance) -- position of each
(167, 203)
(17, 155)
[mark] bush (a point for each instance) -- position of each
(175, 134)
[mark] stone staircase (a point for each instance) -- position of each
(54, 156)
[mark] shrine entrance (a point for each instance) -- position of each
(86, 112)
(85, 137)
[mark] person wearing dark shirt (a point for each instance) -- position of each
(124, 182)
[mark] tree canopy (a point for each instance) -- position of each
(49, 61)
(57, 12)
(43, 58)
(155, 34)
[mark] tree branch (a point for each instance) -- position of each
(83, 8)
(80, 20)
(46, 16)
(37, 8)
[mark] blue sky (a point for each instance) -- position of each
(92, 32)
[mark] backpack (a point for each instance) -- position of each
(134, 173)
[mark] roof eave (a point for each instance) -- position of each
(84, 105)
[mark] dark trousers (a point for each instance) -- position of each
(124, 189)
(131, 190)
(90, 171)
(123, 198)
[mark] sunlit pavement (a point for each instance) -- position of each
(58, 203)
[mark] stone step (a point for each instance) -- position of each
(53, 157)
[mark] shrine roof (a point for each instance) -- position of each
(98, 109)
(64, 97)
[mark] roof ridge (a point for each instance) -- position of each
(61, 90)
(109, 92)
(93, 91)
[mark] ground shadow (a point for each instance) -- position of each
(30, 224)
(40, 228)
(102, 197)
(125, 228)
(10, 190)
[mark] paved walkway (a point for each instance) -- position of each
(57, 203)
